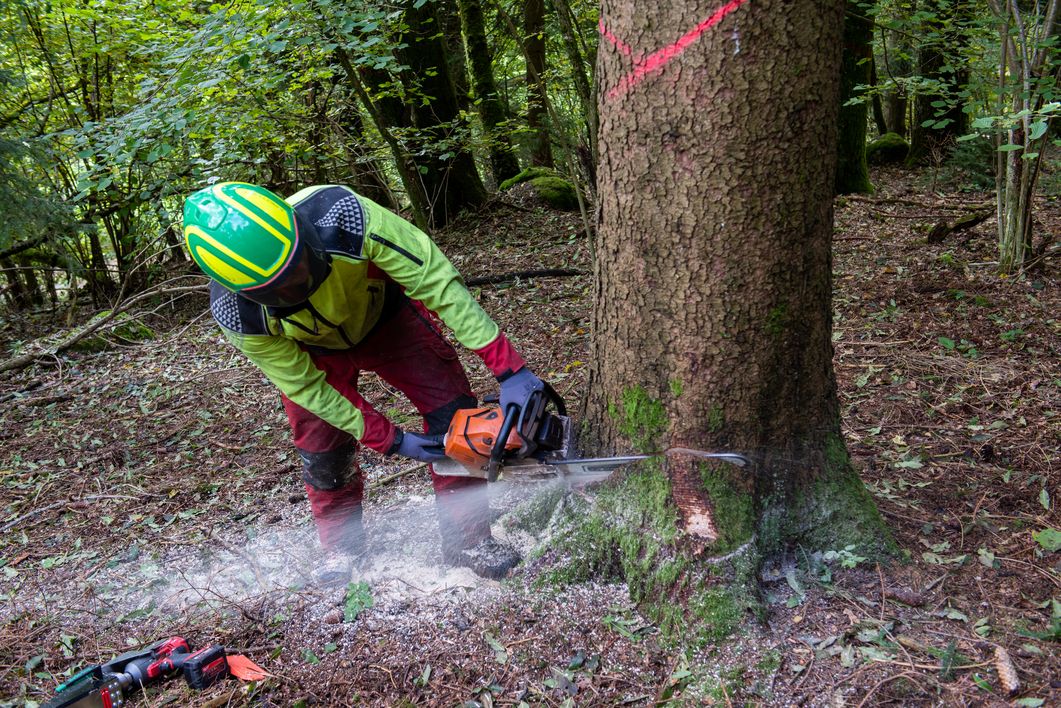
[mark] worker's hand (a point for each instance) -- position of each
(518, 387)
(418, 446)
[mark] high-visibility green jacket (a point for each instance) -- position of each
(371, 249)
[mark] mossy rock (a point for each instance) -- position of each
(526, 176)
(888, 149)
(557, 192)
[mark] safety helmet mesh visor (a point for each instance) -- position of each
(306, 271)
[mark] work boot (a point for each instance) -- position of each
(341, 559)
(336, 569)
(489, 558)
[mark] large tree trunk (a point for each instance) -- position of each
(503, 162)
(713, 311)
(852, 172)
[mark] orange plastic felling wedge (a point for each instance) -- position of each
(244, 669)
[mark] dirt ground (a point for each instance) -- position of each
(149, 489)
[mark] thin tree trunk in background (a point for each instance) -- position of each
(898, 104)
(15, 291)
(896, 67)
(878, 105)
(318, 123)
(99, 279)
(366, 175)
(940, 59)
(406, 170)
(1022, 66)
(537, 113)
(503, 162)
(447, 170)
(174, 248)
(852, 172)
(450, 19)
(586, 97)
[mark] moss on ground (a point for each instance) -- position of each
(125, 328)
(888, 149)
(534, 515)
(632, 534)
(526, 176)
(557, 192)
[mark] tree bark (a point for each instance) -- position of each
(366, 174)
(380, 111)
(852, 172)
(503, 162)
(537, 111)
(895, 48)
(456, 57)
(712, 325)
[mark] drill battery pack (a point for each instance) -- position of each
(206, 667)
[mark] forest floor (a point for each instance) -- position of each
(149, 489)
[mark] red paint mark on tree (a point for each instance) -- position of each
(658, 59)
(622, 46)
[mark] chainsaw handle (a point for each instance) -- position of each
(561, 407)
(498, 450)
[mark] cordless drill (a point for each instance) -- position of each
(107, 685)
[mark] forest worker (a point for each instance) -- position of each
(323, 285)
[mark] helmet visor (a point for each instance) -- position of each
(300, 278)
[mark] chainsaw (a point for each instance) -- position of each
(530, 443)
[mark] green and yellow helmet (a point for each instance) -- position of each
(252, 242)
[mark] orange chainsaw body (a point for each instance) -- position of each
(471, 436)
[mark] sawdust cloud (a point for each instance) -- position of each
(403, 563)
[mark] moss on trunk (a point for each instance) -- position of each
(837, 510)
(631, 532)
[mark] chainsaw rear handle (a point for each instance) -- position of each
(561, 407)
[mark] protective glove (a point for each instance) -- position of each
(417, 446)
(517, 389)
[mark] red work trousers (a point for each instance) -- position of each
(408, 352)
